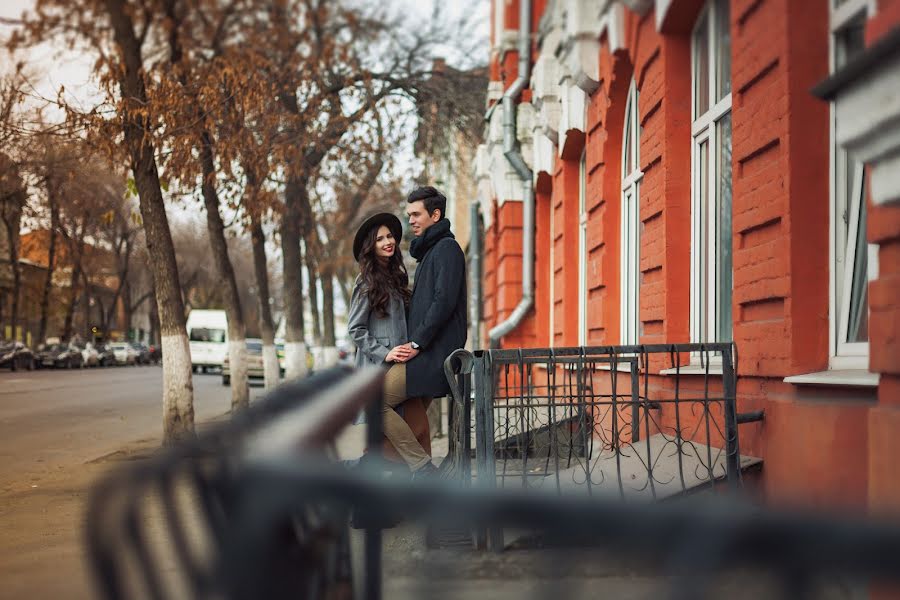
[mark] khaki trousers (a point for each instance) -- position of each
(396, 429)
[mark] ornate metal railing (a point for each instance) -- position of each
(608, 420)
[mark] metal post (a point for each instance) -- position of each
(464, 422)
(372, 543)
(635, 402)
(485, 479)
(729, 392)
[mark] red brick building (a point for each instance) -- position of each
(689, 187)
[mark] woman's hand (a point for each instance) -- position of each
(398, 354)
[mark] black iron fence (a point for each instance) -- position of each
(259, 508)
(638, 422)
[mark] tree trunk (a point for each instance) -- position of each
(154, 323)
(271, 368)
(127, 308)
(312, 278)
(345, 290)
(86, 302)
(294, 343)
(327, 278)
(178, 389)
(12, 226)
(73, 298)
(123, 267)
(51, 265)
(237, 331)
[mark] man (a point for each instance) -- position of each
(437, 309)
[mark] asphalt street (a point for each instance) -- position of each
(59, 431)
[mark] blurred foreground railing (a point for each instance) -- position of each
(258, 508)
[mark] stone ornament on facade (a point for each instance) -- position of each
(545, 78)
(574, 104)
(567, 70)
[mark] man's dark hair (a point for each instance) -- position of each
(432, 199)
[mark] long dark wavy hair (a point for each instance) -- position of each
(382, 278)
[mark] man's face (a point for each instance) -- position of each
(419, 219)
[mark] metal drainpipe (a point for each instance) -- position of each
(475, 275)
(513, 154)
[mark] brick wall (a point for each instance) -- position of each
(821, 444)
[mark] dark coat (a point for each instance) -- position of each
(437, 310)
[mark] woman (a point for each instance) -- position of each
(377, 325)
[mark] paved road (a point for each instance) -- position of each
(60, 430)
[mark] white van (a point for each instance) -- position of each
(208, 334)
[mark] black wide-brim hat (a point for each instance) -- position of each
(387, 219)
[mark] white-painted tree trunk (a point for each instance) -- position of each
(330, 357)
(271, 369)
(178, 386)
(237, 363)
(295, 360)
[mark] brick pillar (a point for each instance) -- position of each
(884, 352)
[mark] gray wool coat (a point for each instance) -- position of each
(374, 335)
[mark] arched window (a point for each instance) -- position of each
(711, 212)
(630, 248)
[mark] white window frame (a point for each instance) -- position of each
(704, 129)
(630, 227)
(582, 248)
(842, 249)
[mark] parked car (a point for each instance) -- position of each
(255, 369)
(89, 354)
(105, 355)
(143, 352)
(60, 356)
(16, 355)
(124, 353)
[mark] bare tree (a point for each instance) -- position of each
(12, 201)
(118, 32)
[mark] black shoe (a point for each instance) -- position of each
(426, 473)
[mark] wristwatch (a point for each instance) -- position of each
(414, 345)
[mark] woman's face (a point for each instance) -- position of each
(385, 244)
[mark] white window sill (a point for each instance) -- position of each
(842, 377)
(713, 369)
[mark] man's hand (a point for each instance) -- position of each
(411, 352)
(398, 354)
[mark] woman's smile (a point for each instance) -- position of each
(384, 242)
